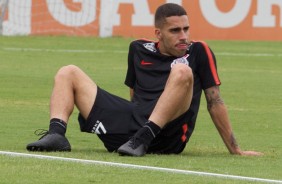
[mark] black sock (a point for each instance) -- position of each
(155, 129)
(57, 126)
(148, 132)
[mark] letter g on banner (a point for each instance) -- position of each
(225, 20)
(67, 17)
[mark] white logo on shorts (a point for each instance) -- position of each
(99, 128)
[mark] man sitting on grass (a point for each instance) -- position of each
(166, 79)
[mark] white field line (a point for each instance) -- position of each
(140, 167)
(16, 49)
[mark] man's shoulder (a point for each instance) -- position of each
(143, 40)
(198, 45)
(146, 44)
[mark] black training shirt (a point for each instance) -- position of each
(148, 71)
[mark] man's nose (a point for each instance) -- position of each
(183, 35)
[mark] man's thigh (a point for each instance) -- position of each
(110, 118)
(110, 114)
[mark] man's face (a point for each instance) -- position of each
(174, 36)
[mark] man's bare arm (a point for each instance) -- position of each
(219, 115)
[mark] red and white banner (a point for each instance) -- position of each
(209, 19)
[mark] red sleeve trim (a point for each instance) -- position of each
(211, 63)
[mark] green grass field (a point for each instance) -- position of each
(251, 75)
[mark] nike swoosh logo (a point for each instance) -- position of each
(145, 63)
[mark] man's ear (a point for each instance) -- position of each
(158, 33)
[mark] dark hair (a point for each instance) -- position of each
(167, 10)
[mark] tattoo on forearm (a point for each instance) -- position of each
(213, 97)
(233, 141)
(212, 102)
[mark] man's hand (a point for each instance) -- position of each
(250, 153)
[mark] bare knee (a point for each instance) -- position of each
(66, 72)
(182, 73)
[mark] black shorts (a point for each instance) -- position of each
(114, 120)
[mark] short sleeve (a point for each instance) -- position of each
(130, 78)
(207, 68)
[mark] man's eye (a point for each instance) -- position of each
(175, 30)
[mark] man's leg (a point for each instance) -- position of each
(71, 87)
(176, 98)
(174, 101)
